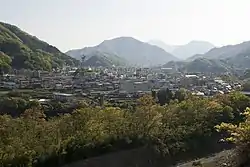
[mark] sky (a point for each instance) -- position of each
(71, 24)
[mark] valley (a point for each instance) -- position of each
(123, 102)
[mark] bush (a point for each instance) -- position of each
(240, 135)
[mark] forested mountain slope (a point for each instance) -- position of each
(28, 52)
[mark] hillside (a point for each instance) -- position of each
(29, 52)
(176, 65)
(240, 61)
(127, 48)
(228, 51)
(237, 56)
(207, 66)
(201, 65)
(101, 60)
(96, 57)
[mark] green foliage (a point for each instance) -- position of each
(166, 95)
(237, 102)
(188, 124)
(202, 65)
(5, 62)
(181, 95)
(28, 52)
(105, 60)
(239, 134)
(36, 140)
(13, 105)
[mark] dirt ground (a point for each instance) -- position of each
(217, 160)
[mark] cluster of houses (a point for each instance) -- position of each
(114, 83)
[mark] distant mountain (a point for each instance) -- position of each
(235, 55)
(192, 48)
(102, 58)
(231, 58)
(127, 49)
(28, 52)
(184, 51)
(167, 48)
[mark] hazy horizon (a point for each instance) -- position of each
(79, 23)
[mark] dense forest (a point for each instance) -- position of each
(181, 123)
(20, 50)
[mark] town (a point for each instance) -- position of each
(115, 85)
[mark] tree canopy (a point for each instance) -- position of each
(34, 139)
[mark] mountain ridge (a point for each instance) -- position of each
(236, 55)
(185, 51)
(227, 51)
(230, 58)
(135, 52)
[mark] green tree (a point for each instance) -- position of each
(237, 101)
(239, 134)
(164, 96)
(181, 95)
(13, 105)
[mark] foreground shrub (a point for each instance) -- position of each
(240, 135)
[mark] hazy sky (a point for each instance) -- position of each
(69, 24)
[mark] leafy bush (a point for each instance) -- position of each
(240, 135)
